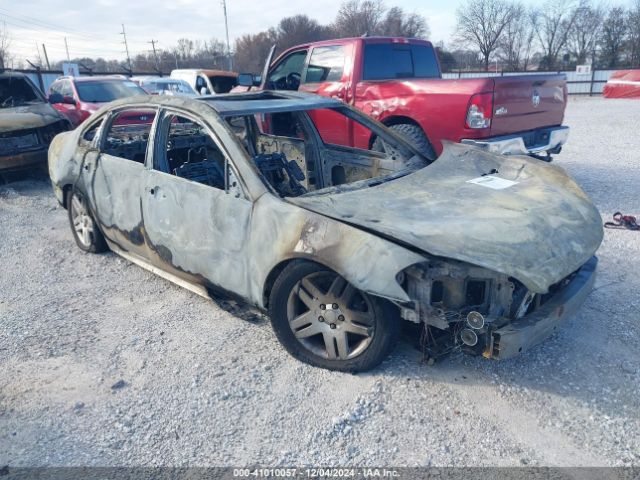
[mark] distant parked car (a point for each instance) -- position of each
(27, 123)
(79, 97)
(165, 86)
(207, 82)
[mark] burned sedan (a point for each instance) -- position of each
(257, 197)
(27, 123)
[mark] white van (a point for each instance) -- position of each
(207, 82)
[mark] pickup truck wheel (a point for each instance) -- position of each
(324, 321)
(414, 135)
(83, 226)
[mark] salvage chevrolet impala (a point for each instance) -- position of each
(241, 195)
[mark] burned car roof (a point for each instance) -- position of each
(231, 104)
(267, 101)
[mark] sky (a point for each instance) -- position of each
(92, 28)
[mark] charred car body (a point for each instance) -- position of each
(27, 123)
(240, 194)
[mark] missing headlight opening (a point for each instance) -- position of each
(461, 306)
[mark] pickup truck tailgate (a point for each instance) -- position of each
(527, 102)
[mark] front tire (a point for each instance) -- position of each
(83, 226)
(324, 321)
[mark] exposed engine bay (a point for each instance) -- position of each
(461, 305)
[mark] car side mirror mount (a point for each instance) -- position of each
(204, 91)
(56, 98)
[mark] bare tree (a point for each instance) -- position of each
(397, 23)
(185, 48)
(633, 24)
(481, 23)
(251, 50)
(552, 23)
(583, 36)
(614, 31)
(517, 41)
(5, 44)
(300, 29)
(359, 17)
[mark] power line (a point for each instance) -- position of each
(60, 28)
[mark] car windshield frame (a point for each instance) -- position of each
(115, 88)
(11, 99)
(414, 160)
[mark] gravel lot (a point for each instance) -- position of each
(102, 363)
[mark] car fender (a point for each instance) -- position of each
(287, 232)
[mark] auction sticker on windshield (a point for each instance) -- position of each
(493, 182)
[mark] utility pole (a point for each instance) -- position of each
(155, 55)
(126, 46)
(39, 57)
(46, 57)
(226, 27)
(66, 46)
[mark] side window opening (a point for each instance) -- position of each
(400, 61)
(128, 134)
(90, 134)
(192, 154)
(287, 74)
(369, 156)
(278, 146)
(200, 84)
(326, 64)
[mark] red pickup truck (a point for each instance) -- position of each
(398, 82)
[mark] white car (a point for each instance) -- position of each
(165, 86)
(207, 82)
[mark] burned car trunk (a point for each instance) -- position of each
(27, 123)
(244, 195)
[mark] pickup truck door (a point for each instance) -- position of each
(328, 73)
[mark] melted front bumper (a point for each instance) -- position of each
(522, 334)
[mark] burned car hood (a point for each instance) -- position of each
(538, 229)
(33, 115)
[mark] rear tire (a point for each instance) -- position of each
(324, 321)
(83, 226)
(414, 135)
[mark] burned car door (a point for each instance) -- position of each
(117, 175)
(196, 218)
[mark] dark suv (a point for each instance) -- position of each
(79, 97)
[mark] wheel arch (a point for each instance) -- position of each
(277, 269)
(398, 120)
(66, 190)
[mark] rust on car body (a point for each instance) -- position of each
(430, 236)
